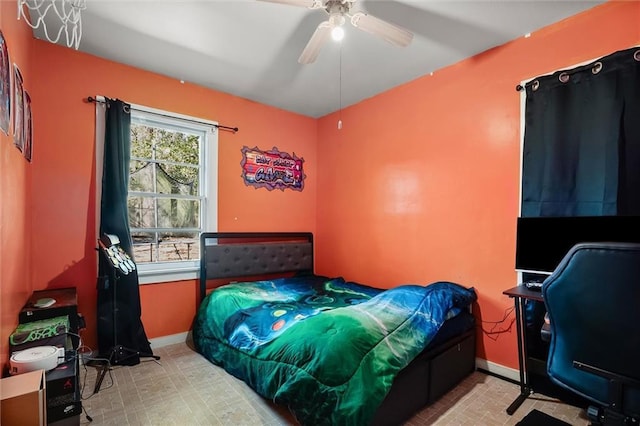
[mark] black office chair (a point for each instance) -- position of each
(593, 302)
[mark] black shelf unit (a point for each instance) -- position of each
(64, 402)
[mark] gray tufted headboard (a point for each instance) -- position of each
(241, 254)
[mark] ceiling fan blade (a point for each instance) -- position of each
(312, 49)
(311, 4)
(392, 33)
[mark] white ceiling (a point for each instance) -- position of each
(250, 48)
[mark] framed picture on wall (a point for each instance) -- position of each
(28, 127)
(5, 86)
(18, 114)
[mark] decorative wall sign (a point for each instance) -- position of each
(18, 114)
(5, 86)
(272, 169)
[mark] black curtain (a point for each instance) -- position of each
(119, 311)
(582, 140)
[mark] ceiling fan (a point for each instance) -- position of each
(338, 11)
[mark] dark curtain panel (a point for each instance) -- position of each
(119, 323)
(582, 140)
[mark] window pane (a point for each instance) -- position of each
(141, 212)
(141, 141)
(145, 247)
(175, 213)
(177, 147)
(165, 173)
(178, 246)
(167, 247)
(174, 179)
(141, 176)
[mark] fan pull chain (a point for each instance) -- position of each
(340, 90)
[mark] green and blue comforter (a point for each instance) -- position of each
(326, 348)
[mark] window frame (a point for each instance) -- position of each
(158, 272)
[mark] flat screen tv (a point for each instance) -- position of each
(542, 242)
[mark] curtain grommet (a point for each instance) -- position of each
(596, 68)
(535, 85)
(126, 109)
(636, 55)
(564, 77)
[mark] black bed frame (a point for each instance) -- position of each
(429, 376)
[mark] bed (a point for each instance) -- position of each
(332, 351)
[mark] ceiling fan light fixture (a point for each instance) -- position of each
(338, 11)
(336, 20)
(337, 33)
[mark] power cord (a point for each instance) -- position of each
(494, 332)
(87, 414)
(80, 355)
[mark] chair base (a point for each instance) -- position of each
(608, 417)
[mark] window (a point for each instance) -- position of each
(172, 192)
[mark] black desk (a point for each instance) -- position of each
(520, 295)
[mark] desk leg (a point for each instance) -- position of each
(525, 390)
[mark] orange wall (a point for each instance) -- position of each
(422, 182)
(63, 247)
(423, 178)
(15, 194)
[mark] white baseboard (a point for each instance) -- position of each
(172, 339)
(497, 369)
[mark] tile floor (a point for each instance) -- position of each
(183, 388)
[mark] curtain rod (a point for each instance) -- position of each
(91, 99)
(595, 65)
